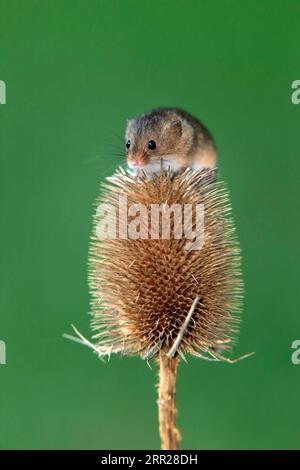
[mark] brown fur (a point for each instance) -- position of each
(179, 137)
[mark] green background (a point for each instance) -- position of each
(75, 70)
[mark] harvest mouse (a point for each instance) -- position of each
(168, 138)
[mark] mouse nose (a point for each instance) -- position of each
(136, 159)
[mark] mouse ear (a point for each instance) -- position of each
(130, 123)
(175, 127)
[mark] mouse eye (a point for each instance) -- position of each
(128, 144)
(151, 144)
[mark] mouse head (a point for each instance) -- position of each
(152, 137)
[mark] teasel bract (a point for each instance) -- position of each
(155, 298)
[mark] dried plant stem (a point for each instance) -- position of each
(169, 434)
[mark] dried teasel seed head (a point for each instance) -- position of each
(154, 294)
